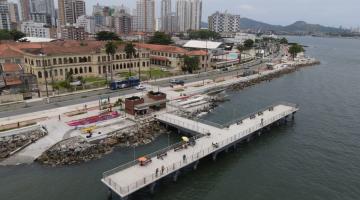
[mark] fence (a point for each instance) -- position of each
(143, 182)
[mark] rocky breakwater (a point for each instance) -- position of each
(269, 77)
(11, 144)
(78, 150)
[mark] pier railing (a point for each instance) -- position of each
(189, 126)
(154, 154)
(191, 158)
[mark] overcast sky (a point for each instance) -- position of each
(283, 12)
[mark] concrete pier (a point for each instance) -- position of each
(131, 177)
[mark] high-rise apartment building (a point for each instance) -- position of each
(14, 14)
(196, 14)
(165, 12)
(4, 15)
(25, 9)
(145, 16)
(224, 23)
(41, 11)
(189, 14)
(70, 10)
(122, 22)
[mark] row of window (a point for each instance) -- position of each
(60, 72)
(171, 55)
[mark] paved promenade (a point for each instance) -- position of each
(131, 177)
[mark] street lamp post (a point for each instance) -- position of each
(45, 73)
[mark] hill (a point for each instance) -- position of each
(297, 27)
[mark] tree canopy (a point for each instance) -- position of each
(11, 35)
(295, 49)
(106, 35)
(191, 64)
(249, 43)
(130, 50)
(161, 38)
(110, 48)
(204, 35)
(283, 41)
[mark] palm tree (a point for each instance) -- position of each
(110, 49)
(130, 52)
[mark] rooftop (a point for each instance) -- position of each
(11, 67)
(163, 48)
(54, 48)
(198, 44)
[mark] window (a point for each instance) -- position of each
(54, 61)
(39, 75)
(61, 72)
(81, 70)
(90, 69)
(60, 61)
(76, 71)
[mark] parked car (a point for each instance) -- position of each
(140, 87)
(177, 82)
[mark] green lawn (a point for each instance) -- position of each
(145, 75)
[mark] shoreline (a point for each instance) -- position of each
(76, 151)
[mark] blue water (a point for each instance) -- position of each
(317, 157)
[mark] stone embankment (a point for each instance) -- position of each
(78, 150)
(269, 77)
(13, 143)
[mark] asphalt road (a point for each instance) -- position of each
(94, 95)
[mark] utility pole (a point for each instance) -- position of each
(42, 54)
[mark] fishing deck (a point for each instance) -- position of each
(131, 177)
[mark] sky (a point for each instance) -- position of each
(278, 12)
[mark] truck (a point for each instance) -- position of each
(126, 83)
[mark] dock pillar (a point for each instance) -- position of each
(293, 117)
(214, 155)
(109, 194)
(196, 165)
(248, 139)
(152, 188)
(259, 133)
(176, 175)
(227, 150)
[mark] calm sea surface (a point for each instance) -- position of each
(317, 157)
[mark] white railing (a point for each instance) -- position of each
(191, 158)
(190, 126)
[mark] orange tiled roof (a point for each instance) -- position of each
(197, 53)
(12, 81)
(11, 67)
(56, 47)
(162, 48)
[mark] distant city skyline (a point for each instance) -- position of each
(277, 12)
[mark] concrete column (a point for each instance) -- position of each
(152, 188)
(214, 156)
(109, 194)
(176, 175)
(196, 165)
(248, 139)
(259, 133)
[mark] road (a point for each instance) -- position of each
(94, 95)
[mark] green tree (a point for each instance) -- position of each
(204, 35)
(191, 64)
(106, 35)
(11, 35)
(283, 41)
(130, 51)
(161, 38)
(16, 35)
(295, 49)
(249, 43)
(110, 49)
